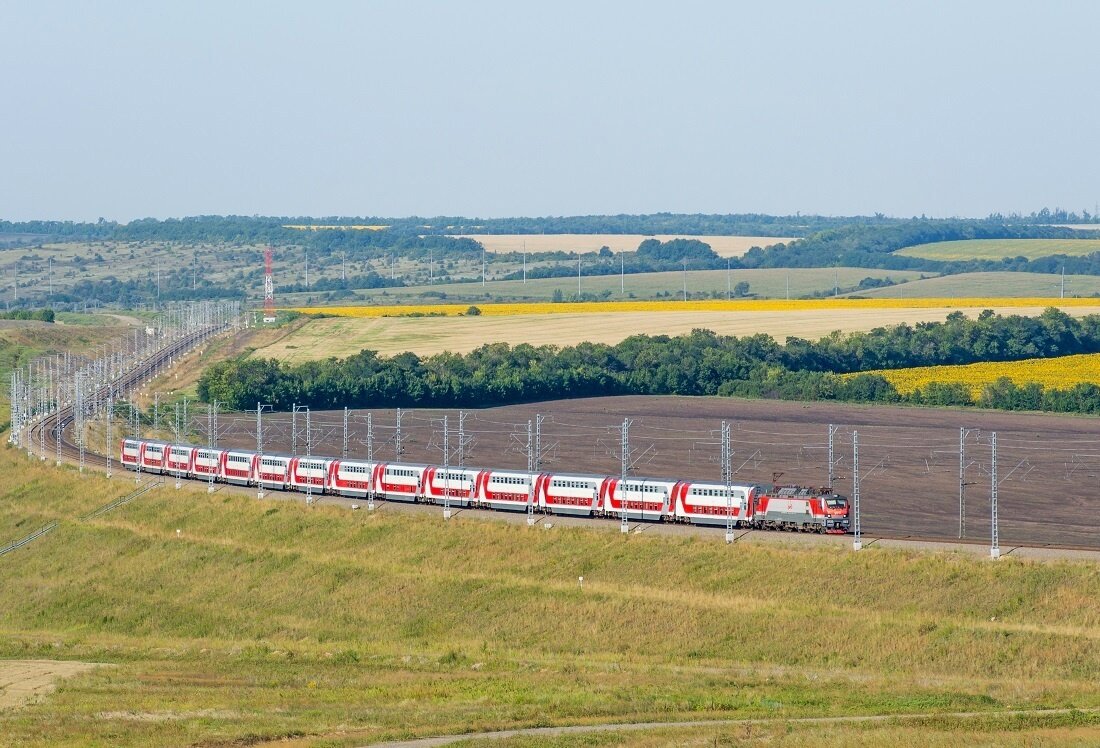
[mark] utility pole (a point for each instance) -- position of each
(624, 448)
(858, 543)
(431, 267)
(685, 279)
(995, 539)
(370, 459)
(110, 417)
(212, 438)
(260, 449)
(578, 277)
(175, 441)
(622, 273)
(484, 266)
(530, 474)
(309, 459)
(1063, 294)
(832, 432)
(727, 478)
(524, 266)
(729, 281)
(446, 470)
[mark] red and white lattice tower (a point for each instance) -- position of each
(269, 287)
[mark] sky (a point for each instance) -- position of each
(126, 110)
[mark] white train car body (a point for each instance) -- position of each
(351, 477)
(570, 494)
(712, 504)
(507, 489)
(399, 482)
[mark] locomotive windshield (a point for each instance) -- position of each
(837, 503)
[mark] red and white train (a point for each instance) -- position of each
(578, 494)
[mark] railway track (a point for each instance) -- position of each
(63, 419)
(47, 429)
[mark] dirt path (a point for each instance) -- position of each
(637, 726)
(21, 681)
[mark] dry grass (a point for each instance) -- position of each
(22, 681)
(725, 246)
(343, 336)
(265, 620)
(996, 249)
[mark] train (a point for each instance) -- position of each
(753, 506)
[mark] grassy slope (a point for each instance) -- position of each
(996, 249)
(770, 283)
(991, 284)
(266, 619)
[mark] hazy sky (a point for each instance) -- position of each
(126, 110)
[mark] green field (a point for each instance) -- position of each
(768, 283)
(265, 620)
(1044, 285)
(996, 249)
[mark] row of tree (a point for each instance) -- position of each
(701, 363)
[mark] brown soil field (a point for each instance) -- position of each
(1048, 466)
(424, 336)
(724, 246)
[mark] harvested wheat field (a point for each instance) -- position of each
(22, 681)
(725, 246)
(343, 336)
(1049, 466)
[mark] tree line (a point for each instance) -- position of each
(700, 363)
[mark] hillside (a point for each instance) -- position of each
(227, 620)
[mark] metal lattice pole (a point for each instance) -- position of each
(832, 461)
(530, 474)
(727, 478)
(446, 469)
(624, 446)
(110, 418)
(57, 419)
(78, 412)
(176, 440)
(210, 442)
(294, 429)
(259, 451)
(962, 482)
(857, 544)
(309, 458)
(370, 459)
(995, 537)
